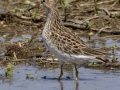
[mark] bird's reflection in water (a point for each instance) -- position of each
(77, 86)
(62, 85)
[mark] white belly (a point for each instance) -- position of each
(64, 57)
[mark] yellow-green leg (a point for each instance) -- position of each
(76, 72)
(61, 72)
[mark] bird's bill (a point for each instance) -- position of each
(37, 5)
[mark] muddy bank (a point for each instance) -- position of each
(20, 29)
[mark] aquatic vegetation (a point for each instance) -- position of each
(30, 76)
(114, 59)
(90, 24)
(53, 57)
(27, 2)
(38, 78)
(65, 4)
(9, 70)
(114, 48)
(5, 35)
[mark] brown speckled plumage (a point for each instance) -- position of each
(63, 42)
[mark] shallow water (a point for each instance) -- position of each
(89, 79)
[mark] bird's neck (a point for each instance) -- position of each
(53, 19)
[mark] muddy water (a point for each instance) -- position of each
(89, 79)
(105, 42)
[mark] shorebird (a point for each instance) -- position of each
(62, 42)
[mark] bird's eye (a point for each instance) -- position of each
(43, 0)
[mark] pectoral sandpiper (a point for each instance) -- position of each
(62, 42)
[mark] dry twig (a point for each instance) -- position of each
(101, 30)
(99, 3)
